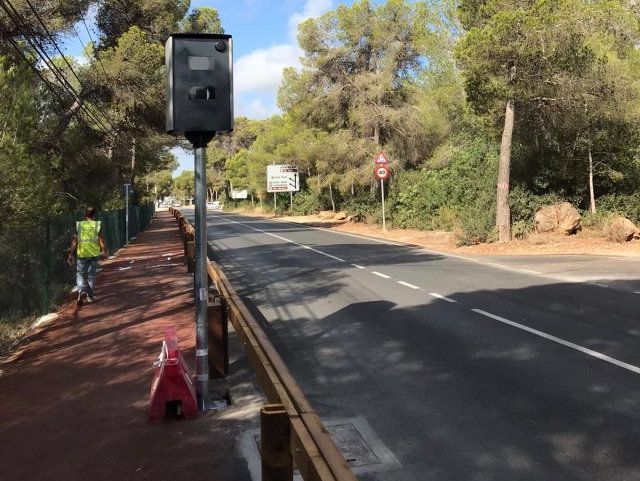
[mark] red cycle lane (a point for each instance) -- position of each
(73, 405)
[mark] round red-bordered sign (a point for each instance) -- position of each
(381, 172)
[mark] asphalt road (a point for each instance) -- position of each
(465, 369)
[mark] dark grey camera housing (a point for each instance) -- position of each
(199, 83)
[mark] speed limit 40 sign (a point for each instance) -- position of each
(381, 172)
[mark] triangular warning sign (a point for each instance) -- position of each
(380, 158)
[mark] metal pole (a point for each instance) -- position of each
(200, 279)
(126, 214)
(291, 197)
(384, 223)
(275, 204)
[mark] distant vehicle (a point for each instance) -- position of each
(214, 205)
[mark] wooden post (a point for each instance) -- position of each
(190, 252)
(218, 337)
(275, 443)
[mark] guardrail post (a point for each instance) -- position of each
(275, 443)
(218, 335)
(190, 253)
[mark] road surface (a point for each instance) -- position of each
(465, 369)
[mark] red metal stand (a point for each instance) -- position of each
(172, 382)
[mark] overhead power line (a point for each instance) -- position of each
(93, 42)
(55, 44)
(46, 82)
(40, 51)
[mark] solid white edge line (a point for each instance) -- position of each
(529, 271)
(584, 350)
(411, 246)
(406, 284)
(380, 274)
(286, 240)
(440, 296)
(380, 241)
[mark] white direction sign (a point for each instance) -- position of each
(282, 178)
(239, 194)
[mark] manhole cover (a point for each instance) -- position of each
(356, 441)
(352, 445)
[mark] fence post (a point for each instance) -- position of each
(46, 260)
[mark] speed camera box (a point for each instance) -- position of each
(199, 83)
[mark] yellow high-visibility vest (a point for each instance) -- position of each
(88, 235)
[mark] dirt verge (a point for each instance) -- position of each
(587, 242)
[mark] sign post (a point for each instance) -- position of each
(199, 105)
(384, 222)
(381, 171)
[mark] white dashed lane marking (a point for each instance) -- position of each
(357, 266)
(549, 337)
(440, 296)
(380, 274)
(406, 284)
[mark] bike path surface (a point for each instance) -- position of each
(73, 405)
(463, 370)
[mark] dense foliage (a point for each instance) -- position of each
(71, 133)
(432, 84)
(538, 97)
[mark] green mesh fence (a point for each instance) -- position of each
(33, 255)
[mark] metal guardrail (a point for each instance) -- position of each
(308, 444)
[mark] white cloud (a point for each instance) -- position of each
(259, 73)
(311, 9)
(261, 70)
(79, 59)
(258, 109)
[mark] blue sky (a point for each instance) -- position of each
(264, 40)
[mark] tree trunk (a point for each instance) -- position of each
(376, 135)
(111, 146)
(333, 204)
(133, 161)
(65, 120)
(592, 196)
(503, 214)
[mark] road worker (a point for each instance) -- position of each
(88, 245)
